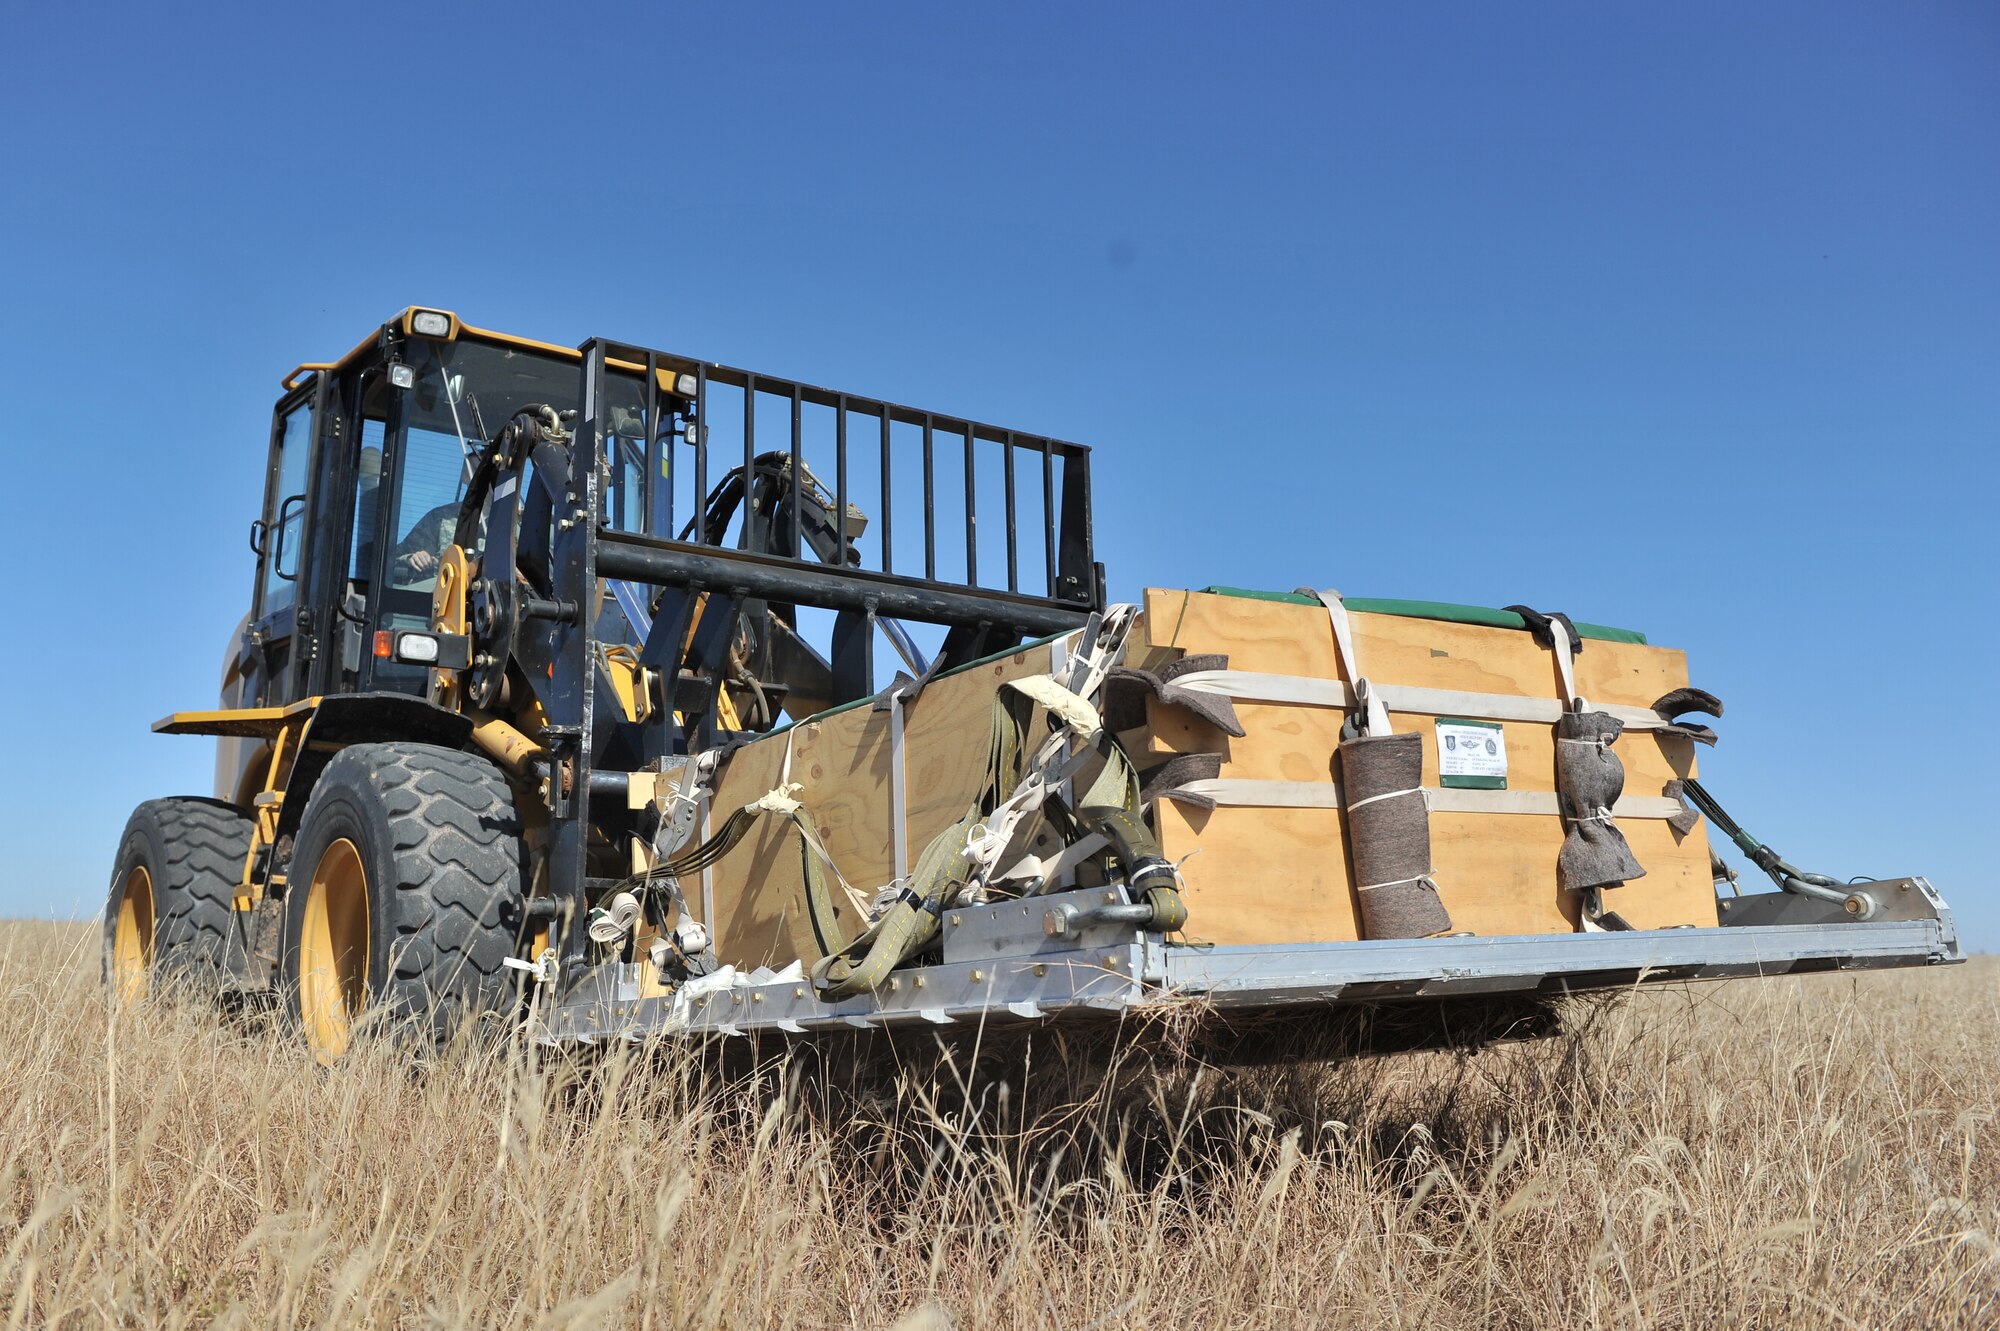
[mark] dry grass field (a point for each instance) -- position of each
(1802, 1153)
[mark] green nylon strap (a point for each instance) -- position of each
(909, 925)
(1440, 610)
(940, 871)
(1147, 872)
(820, 909)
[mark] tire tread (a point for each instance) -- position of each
(461, 871)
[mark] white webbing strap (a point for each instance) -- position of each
(1543, 801)
(783, 797)
(899, 812)
(1076, 712)
(707, 876)
(1051, 770)
(1241, 792)
(1066, 693)
(1053, 870)
(1560, 636)
(1374, 719)
(1252, 686)
(1059, 665)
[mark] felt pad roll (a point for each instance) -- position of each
(1589, 780)
(1389, 836)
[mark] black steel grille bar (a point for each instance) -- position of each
(1013, 556)
(698, 436)
(888, 509)
(774, 578)
(1048, 518)
(1067, 544)
(652, 475)
(971, 512)
(749, 533)
(840, 481)
(797, 542)
(930, 509)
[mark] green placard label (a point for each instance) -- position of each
(1472, 755)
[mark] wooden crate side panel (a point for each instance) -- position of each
(842, 761)
(1281, 875)
(1262, 875)
(1496, 872)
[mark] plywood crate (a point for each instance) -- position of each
(1262, 875)
(1270, 875)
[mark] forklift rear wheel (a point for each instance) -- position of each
(170, 916)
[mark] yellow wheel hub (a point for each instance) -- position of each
(132, 937)
(333, 950)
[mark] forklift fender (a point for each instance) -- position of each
(363, 718)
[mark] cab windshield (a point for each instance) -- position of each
(465, 392)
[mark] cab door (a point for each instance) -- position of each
(279, 639)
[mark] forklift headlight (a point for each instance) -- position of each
(430, 323)
(417, 648)
(403, 376)
(685, 385)
(447, 651)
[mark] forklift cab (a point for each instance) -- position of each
(369, 462)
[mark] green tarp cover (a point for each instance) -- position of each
(1454, 614)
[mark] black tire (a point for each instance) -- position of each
(439, 837)
(193, 851)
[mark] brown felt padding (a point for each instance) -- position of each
(1389, 837)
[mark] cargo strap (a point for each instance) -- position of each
(1072, 709)
(899, 800)
(964, 855)
(1072, 716)
(1247, 793)
(1590, 781)
(711, 849)
(1389, 833)
(1564, 648)
(1310, 691)
(911, 920)
(1372, 716)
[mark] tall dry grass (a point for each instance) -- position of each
(1812, 1153)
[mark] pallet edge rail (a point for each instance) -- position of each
(997, 970)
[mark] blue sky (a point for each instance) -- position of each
(1699, 303)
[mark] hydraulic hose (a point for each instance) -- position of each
(1789, 877)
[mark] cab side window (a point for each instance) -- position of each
(367, 503)
(284, 539)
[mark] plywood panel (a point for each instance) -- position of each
(1496, 872)
(842, 761)
(1261, 875)
(1286, 639)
